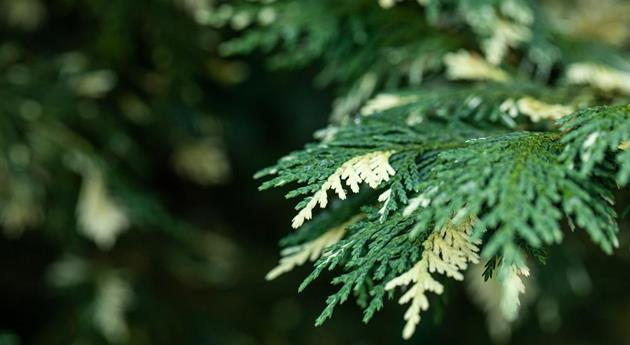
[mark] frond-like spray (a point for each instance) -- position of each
(535, 109)
(466, 66)
(309, 251)
(472, 124)
(384, 102)
(371, 169)
(447, 252)
(423, 282)
(490, 296)
(600, 76)
(506, 34)
(512, 287)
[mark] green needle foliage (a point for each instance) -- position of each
(461, 128)
(595, 135)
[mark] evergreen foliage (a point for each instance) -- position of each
(483, 118)
(467, 140)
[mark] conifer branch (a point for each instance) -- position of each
(446, 134)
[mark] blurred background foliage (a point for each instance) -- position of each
(128, 210)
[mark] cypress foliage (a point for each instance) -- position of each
(460, 126)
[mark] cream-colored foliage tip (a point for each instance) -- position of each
(447, 252)
(371, 169)
(310, 251)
